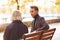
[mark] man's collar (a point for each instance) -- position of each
(36, 16)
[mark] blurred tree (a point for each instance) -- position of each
(22, 8)
(58, 5)
(45, 9)
(28, 1)
(3, 9)
(11, 2)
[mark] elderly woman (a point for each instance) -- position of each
(16, 29)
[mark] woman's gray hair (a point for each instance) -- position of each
(16, 16)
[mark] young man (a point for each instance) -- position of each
(39, 22)
(16, 29)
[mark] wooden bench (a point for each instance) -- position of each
(40, 35)
(32, 36)
(48, 34)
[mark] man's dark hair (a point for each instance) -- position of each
(34, 7)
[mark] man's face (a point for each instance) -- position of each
(33, 12)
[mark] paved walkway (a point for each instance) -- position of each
(57, 32)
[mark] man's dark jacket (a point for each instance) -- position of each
(15, 30)
(39, 24)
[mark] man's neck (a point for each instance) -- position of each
(36, 16)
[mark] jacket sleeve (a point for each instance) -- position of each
(43, 23)
(6, 33)
(32, 29)
(25, 29)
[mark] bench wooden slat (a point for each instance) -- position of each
(48, 34)
(32, 36)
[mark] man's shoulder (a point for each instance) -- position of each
(39, 18)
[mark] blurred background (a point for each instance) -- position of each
(49, 9)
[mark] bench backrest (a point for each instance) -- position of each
(48, 34)
(32, 36)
